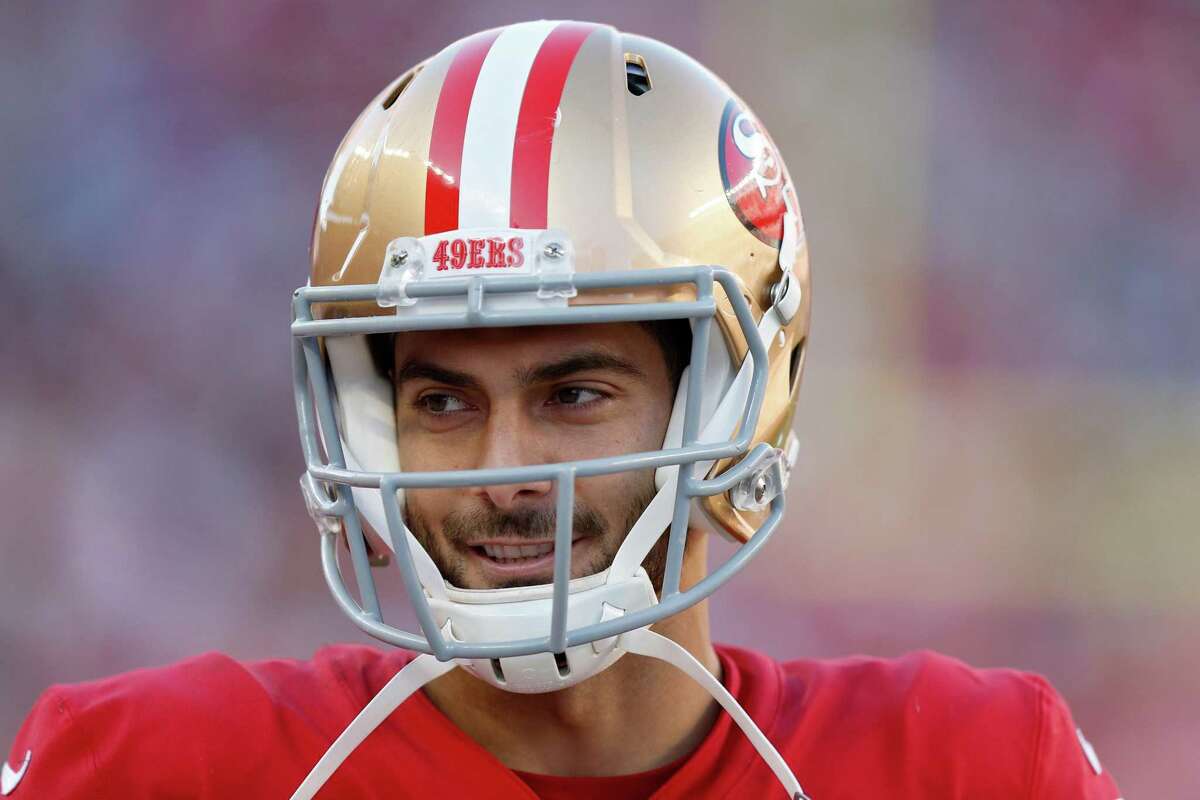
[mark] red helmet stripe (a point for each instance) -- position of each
(449, 128)
(536, 123)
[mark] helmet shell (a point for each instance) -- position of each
(680, 174)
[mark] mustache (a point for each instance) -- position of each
(464, 527)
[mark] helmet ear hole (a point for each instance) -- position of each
(794, 363)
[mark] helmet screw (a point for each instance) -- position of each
(760, 488)
(554, 250)
(399, 258)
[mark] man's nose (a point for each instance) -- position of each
(508, 445)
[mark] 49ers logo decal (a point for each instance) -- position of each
(752, 173)
(479, 253)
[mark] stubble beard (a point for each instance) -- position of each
(462, 527)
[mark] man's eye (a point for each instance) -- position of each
(441, 403)
(576, 396)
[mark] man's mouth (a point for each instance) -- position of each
(511, 553)
(523, 558)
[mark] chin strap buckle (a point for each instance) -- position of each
(324, 510)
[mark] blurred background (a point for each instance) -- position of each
(1001, 413)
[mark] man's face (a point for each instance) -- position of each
(507, 397)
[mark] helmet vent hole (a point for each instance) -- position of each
(401, 85)
(564, 667)
(637, 77)
(497, 670)
(794, 364)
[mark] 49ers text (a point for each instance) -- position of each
(490, 253)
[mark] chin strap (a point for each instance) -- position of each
(645, 642)
(642, 641)
(415, 674)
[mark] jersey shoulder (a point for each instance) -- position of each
(938, 690)
(938, 724)
(202, 722)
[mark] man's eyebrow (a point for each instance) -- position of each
(414, 369)
(590, 360)
(578, 362)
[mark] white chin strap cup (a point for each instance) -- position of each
(643, 641)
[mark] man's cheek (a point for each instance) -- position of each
(430, 504)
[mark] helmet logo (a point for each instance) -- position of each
(491, 252)
(752, 173)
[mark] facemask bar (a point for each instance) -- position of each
(309, 370)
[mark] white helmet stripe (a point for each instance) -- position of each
(485, 184)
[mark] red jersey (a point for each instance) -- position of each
(921, 726)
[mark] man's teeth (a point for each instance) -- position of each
(508, 552)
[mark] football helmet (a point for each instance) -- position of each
(552, 173)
